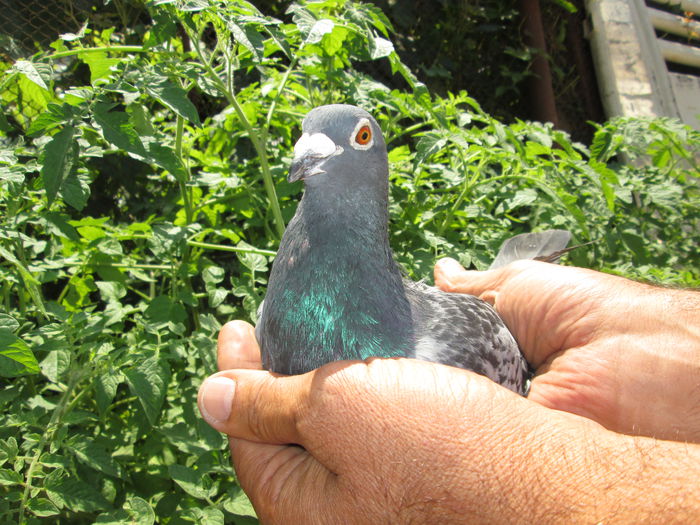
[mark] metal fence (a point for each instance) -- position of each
(27, 26)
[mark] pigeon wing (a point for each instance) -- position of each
(531, 246)
(464, 331)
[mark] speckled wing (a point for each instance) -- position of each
(463, 331)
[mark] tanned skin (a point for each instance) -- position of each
(610, 431)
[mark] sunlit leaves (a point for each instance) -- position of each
(191, 481)
(100, 65)
(31, 72)
(59, 160)
(118, 130)
(148, 381)
(159, 231)
(173, 97)
(67, 491)
(16, 358)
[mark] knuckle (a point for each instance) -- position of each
(258, 415)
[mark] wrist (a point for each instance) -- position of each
(575, 471)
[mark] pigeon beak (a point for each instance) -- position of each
(310, 153)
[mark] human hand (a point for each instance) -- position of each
(621, 353)
(395, 441)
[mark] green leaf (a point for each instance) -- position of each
(42, 507)
(204, 516)
(29, 280)
(428, 145)
(58, 225)
(75, 191)
(12, 174)
(8, 450)
(523, 197)
(70, 492)
(55, 364)
(118, 130)
(148, 381)
(213, 274)
(9, 323)
(141, 119)
(96, 456)
(30, 71)
(163, 29)
(238, 503)
(105, 390)
(249, 37)
(59, 158)
(32, 99)
(191, 481)
(608, 179)
(16, 358)
(570, 7)
(216, 297)
(174, 98)
(379, 47)
(164, 157)
(253, 261)
(334, 41)
(162, 309)
(54, 116)
(111, 291)
(319, 28)
(140, 511)
(9, 477)
(100, 65)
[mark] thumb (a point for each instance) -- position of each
(254, 405)
(450, 276)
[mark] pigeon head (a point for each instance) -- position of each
(341, 147)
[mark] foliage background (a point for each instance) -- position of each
(142, 196)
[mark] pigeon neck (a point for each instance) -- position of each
(357, 220)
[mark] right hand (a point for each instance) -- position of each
(621, 353)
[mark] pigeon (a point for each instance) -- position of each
(335, 291)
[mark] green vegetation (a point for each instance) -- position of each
(142, 196)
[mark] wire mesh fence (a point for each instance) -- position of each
(27, 26)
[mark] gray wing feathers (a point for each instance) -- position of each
(463, 331)
(530, 246)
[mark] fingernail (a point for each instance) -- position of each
(217, 398)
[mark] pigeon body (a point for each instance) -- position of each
(335, 291)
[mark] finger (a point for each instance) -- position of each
(286, 484)
(255, 405)
(237, 347)
(450, 276)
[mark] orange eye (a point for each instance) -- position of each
(363, 136)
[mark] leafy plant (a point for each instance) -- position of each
(143, 195)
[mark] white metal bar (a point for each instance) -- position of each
(689, 6)
(676, 25)
(675, 52)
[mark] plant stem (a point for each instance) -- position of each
(224, 248)
(227, 89)
(280, 89)
(260, 149)
(468, 183)
(137, 266)
(184, 192)
(51, 428)
(117, 49)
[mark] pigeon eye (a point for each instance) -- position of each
(363, 136)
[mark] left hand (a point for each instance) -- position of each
(390, 441)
